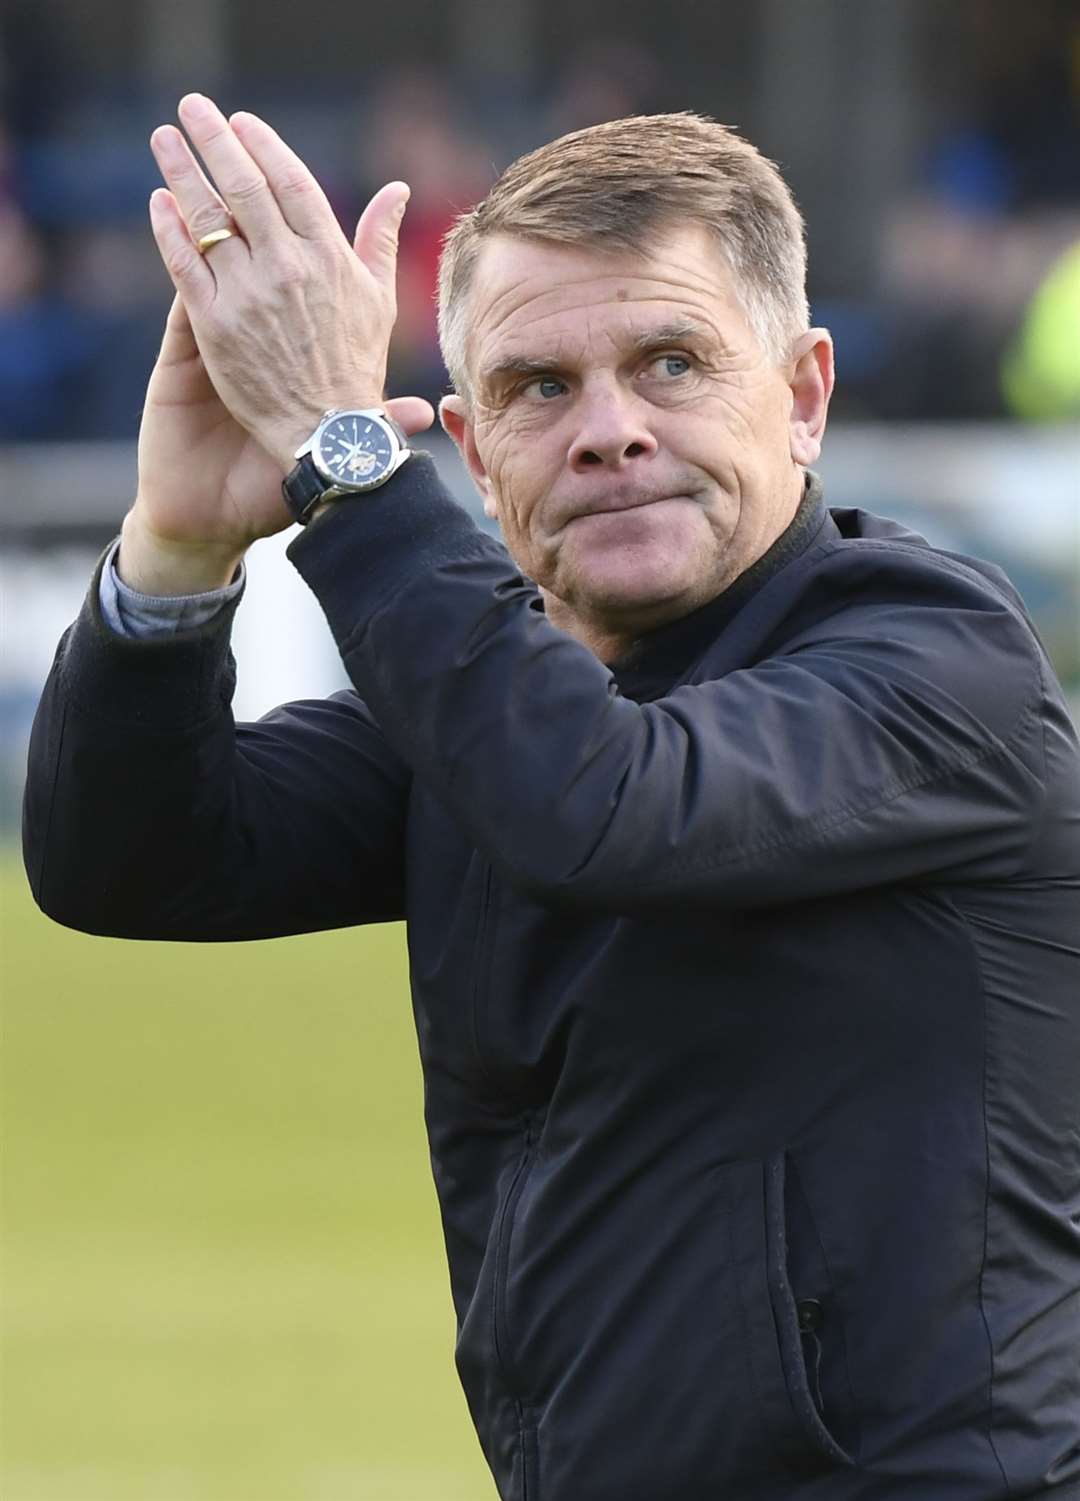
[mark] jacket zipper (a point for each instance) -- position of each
(502, 1268)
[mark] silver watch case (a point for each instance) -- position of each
(336, 484)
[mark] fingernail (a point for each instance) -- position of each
(165, 142)
(195, 105)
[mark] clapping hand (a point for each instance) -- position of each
(270, 328)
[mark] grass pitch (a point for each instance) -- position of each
(223, 1272)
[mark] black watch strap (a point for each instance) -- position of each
(302, 487)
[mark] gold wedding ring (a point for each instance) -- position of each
(215, 237)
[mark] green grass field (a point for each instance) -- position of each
(223, 1272)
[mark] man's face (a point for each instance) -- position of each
(638, 448)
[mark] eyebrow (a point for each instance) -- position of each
(515, 364)
(678, 332)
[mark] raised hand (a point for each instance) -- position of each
(207, 489)
(268, 330)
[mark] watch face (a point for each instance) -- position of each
(354, 450)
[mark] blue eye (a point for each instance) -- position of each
(546, 386)
(679, 361)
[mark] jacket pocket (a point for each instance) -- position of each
(530, 1457)
(808, 1336)
(486, 1354)
(504, 1346)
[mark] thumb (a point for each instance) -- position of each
(178, 341)
(412, 413)
(376, 238)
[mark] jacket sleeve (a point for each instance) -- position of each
(896, 737)
(149, 814)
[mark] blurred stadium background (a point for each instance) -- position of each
(223, 1276)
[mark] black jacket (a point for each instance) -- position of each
(746, 979)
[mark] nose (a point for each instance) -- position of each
(611, 429)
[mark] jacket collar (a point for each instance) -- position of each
(654, 662)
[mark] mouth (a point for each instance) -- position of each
(612, 505)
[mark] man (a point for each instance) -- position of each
(737, 839)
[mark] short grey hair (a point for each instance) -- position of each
(622, 183)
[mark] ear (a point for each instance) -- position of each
(454, 416)
(811, 383)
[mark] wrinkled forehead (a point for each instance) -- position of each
(528, 295)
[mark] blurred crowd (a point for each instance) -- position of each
(964, 310)
(978, 277)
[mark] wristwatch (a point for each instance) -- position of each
(351, 452)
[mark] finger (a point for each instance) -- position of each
(188, 270)
(178, 344)
(239, 180)
(376, 238)
(179, 348)
(302, 202)
(412, 413)
(200, 206)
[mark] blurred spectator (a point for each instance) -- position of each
(922, 331)
(45, 348)
(112, 277)
(960, 260)
(1041, 371)
(415, 132)
(957, 272)
(604, 80)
